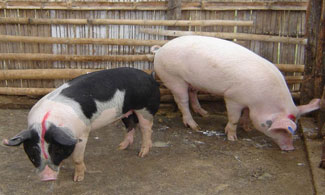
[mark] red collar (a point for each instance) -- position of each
(292, 117)
(43, 134)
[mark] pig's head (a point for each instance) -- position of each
(46, 151)
(281, 131)
(282, 128)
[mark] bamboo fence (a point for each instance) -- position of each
(45, 43)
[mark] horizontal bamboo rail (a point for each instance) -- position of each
(25, 91)
(165, 93)
(291, 67)
(150, 5)
(224, 35)
(72, 73)
(78, 58)
(241, 5)
(293, 79)
(4, 20)
(102, 41)
(65, 40)
(43, 73)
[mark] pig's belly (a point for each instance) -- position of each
(106, 117)
(212, 82)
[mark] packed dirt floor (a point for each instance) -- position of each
(180, 162)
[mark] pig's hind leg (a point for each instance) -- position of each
(244, 120)
(195, 102)
(130, 124)
(146, 123)
(179, 89)
(234, 112)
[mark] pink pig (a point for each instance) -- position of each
(190, 64)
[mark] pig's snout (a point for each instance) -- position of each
(286, 147)
(5, 142)
(283, 138)
(48, 174)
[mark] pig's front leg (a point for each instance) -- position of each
(195, 103)
(234, 111)
(78, 158)
(145, 122)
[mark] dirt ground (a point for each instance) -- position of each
(181, 161)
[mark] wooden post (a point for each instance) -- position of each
(312, 26)
(174, 12)
(321, 127)
(320, 55)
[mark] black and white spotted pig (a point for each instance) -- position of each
(59, 124)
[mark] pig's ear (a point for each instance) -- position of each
(283, 124)
(60, 136)
(18, 139)
(313, 105)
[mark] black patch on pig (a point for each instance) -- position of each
(131, 122)
(32, 148)
(269, 123)
(263, 125)
(141, 90)
(61, 144)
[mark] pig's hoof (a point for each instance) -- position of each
(247, 128)
(196, 128)
(123, 145)
(205, 115)
(144, 150)
(77, 177)
(79, 172)
(193, 125)
(231, 137)
(202, 112)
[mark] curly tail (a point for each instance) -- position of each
(154, 49)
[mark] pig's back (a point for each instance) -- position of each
(131, 88)
(87, 96)
(219, 66)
